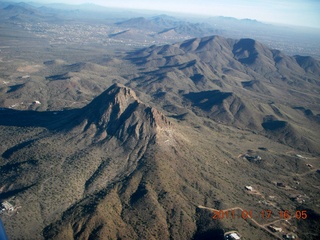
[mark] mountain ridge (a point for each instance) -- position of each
(194, 124)
(246, 68)
(120, 106)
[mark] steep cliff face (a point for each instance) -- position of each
(118, 113)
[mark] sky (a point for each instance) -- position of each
(293, 12)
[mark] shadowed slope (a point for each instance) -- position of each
(237, 82)
(83, 154)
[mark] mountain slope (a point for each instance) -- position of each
(118, 112)
(222, 114)
(110, 136)
(197, 72)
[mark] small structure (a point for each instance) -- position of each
(232, 236)
(6, 206)
(299, 199)
(249, 188)
(253, 158)
(290, 236)
(309, 165)
(275, 229)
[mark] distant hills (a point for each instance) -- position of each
(104, 139)
(161, 27)
(184, 27)
(20, 10)
(237, 70)
(164, 23)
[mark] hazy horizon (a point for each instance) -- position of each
(292, 12)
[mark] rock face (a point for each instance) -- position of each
(118, 112)
(88, 150)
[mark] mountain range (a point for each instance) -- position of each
(164, 23)
(148, 144)
(235, 71)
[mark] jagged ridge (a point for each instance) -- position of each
(118, 112)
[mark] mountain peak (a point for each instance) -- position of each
(118, 112)
(20, 8)
(119, 90)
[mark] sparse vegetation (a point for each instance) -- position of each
(180, 126)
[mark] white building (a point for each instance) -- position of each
(7, 206)
(275, 229)
(232, 236)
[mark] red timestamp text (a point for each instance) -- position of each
(263, 214)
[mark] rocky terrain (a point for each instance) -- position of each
(148, 143)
